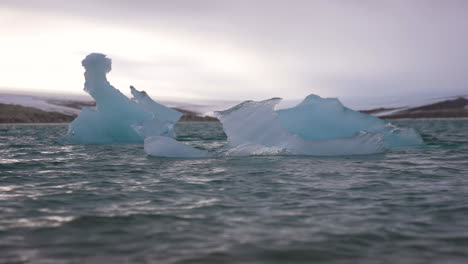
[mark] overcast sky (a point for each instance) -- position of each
(238, 50)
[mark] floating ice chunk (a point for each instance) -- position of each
(116, 118)
(159, 111)
(252, 126)
(163, 118)
(169, 147)
(317, 118)
(254, 123)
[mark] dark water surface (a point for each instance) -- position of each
(113, 204)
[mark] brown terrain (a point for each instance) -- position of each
(455, 108)
(189, 116)
(73, 104)
(22, 114)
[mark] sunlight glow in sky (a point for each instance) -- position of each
(236, 50)
(50, 57)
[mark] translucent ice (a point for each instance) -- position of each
(317, 118)
(316, 126)
(117, 119)
(169, 147)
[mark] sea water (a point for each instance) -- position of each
(63, 203)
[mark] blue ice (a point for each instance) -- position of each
(316, 126)
(117, 119)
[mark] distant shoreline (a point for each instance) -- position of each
(456, 109)
(18, 114)
(67, 123)
(428, 118)
(392, 119)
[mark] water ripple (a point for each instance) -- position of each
(112, 203)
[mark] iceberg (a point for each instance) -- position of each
(171, 148)
(316, 126)
(117, 119)
(317, 118)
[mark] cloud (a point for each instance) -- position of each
(259, 49)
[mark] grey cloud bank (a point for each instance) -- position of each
(333, 48)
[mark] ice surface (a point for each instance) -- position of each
(316, 126)
(117, 119)
(159, 111)
(254, 127)
(169, 147)
(317, 118)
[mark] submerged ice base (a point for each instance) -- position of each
(171, 148)
(117, 119)
(316, 126)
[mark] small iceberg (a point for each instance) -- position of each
(118, 119)
(316, 126)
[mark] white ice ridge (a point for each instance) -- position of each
(316, 126)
